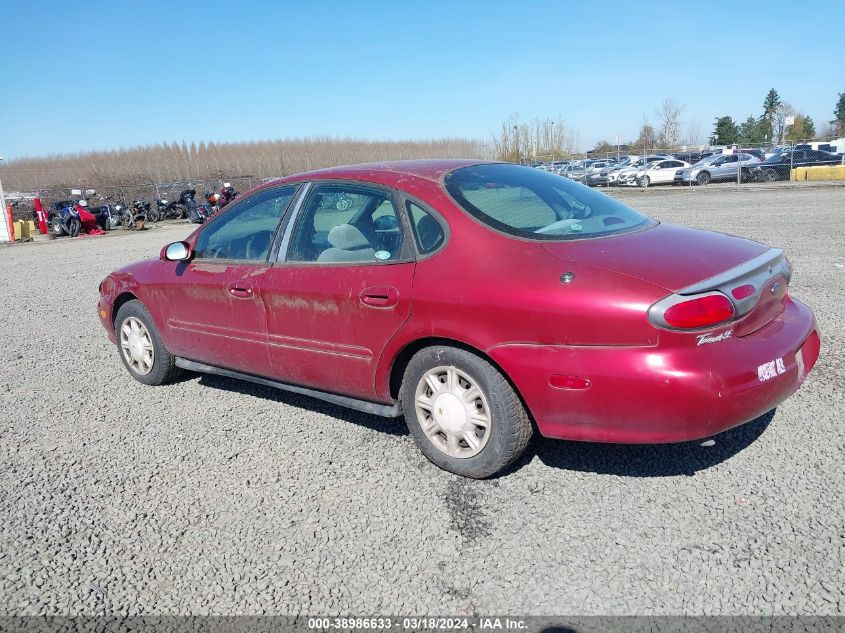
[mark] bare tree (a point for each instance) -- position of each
(693, 133)
(540, 139)
(669, 117)
(779, 125)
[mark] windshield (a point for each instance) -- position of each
(529, 203)
(706, 160)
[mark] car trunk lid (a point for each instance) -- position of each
(689, 262)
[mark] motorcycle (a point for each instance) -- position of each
(64, 220)
(197, 213)
(213, 200)
(134, 218)
(227, 194)
(108, 215)
(170, 210)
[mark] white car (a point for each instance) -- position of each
(660, 172)
(628, 175)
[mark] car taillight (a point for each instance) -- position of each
(699, 312)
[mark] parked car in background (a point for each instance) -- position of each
(607, 175)
(718, 167)
(628, 175)
(778, 166)
(777, 149)
(572, 312)
(689, 157)
(661, 172)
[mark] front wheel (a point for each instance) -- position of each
(464, 415)
(56, 226)
(703, 178)
(770, 175)
(141, 349)
(645, 181)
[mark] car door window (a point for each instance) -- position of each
(428, 232)
(347, 223)
(246, 230)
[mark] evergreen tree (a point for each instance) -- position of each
(752, 131)
(770, 104)
(725, 131)
(838, 123)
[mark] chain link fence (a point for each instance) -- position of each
(644, 166)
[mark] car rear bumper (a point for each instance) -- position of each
(660, 394)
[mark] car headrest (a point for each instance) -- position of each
(347, 237)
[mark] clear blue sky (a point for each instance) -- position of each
(99, 75)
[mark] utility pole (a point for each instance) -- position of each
(7, 234)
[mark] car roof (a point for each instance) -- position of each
(387, 171)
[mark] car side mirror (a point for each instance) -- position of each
(176, 252)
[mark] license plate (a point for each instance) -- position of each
(772, 369)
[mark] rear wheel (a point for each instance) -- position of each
(141, 349)
(74, 226)
(703, 178)
(464, 415)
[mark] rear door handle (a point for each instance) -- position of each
(380, 296)
(240, 289)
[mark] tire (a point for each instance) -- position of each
(770, 175)
(153, 216)
(74, 226)
(56, 226)
(744, 175)
(703, 178)
(162, 367)
(508, 427)
(644, 182)
(126, 222)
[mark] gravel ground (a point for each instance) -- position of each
(215, 497)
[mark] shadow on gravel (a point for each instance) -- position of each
(391, 426)
(644, 460)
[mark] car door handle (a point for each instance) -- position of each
(240, 289)
(380, 296)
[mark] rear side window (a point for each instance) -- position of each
(428, 232)
(538, 205)
(347, 224)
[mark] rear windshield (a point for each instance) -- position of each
(539, 205)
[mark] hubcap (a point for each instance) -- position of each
(453, 412)
(136, 346)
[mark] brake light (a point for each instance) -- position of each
(743, 292)
(700, 312)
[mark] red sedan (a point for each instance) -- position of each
(477, 299)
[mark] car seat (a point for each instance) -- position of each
(348, 244)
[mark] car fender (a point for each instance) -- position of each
(138, 281)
